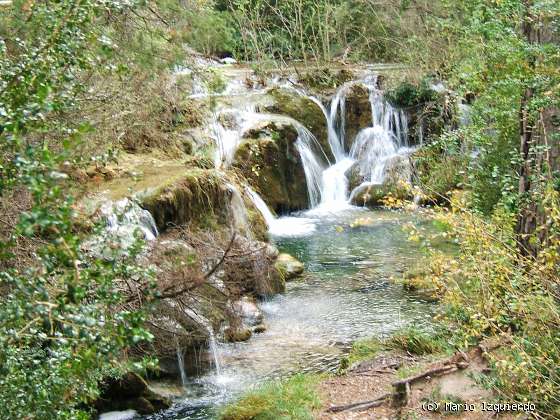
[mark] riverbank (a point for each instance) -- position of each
(410, 375)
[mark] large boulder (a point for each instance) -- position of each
(199, 196)
(268, 158)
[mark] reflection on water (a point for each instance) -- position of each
(345, 295)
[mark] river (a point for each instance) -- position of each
(346, 294)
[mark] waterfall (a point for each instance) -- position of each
(212, 343)
(312, 167)
(181, 365)
(334, 194)
(213, 347)
(283, 226)
(337, 120)
(227, 129)
(261, 206)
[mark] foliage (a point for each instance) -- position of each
(406, 94)
(490, 291)
(294, 398)
(324, 30)
(440, 167)
(63, 322)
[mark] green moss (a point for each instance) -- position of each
(303, 110)
(294, 398)
(407, 95)
(268, 159)
(198, 197)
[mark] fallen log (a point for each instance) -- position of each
(358, 406)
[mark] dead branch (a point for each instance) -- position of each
(359, 406)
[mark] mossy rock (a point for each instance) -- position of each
(305, 111)
(358, 113)
(289, 267)
(198, 197)
(373, 195)
(267, 157)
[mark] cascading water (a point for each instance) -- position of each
(227, 130)
(283, 226)
(239, 211)
(212, 344)
(181, 365)
(373, 147)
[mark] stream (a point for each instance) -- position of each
(346, 294)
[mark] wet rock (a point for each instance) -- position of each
(397, 183)
(358, 113)
(368, 195)
(268, 158)
(304, 110)
(234, 335)
(289, 267)
(130, 392)
(259, 329)
(248, 310)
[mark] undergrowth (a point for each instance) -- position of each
(491, 292)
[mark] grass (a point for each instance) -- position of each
(416, 342)
(410, 340)
(293, 398)
(365, 349)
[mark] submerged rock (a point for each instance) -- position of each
(289, 267)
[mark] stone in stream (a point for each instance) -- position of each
(289, 267)
(130, 392)
(237, 334)
(248, 310)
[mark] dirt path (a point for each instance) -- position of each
(455, 390)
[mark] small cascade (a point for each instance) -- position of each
(312, 167)
(373, 147)
(213, 347)
(283, 226)
(212, 343)
(227, 130)
(393, 120)
(261, 206)
(125, 216)
(181, 365)
(334, 195)
(336, 121)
